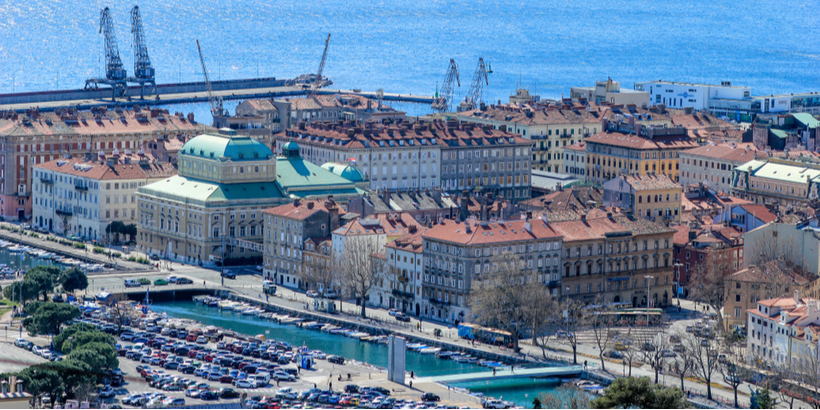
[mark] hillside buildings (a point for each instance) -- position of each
(36, 138)
(82, 196)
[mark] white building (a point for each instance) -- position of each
(400, 286)
(82, 196)
(575, 160)
(713, 164)
(698, 96)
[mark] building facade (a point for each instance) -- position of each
(616, 258)
(610, 92)
(654, 197)
(776, 181)
(35, 138)
(631, 148)
(456, 254)
(82, 196)
(675, 94)
(402, 278)
(712, 165)
(575, 160)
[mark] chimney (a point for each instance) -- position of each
(544, 217)
(528, 226)
(604, 124)
(583, 216)
(797, 296)
(333, 209)
(638, 128)
(297, 202)
(310, 205)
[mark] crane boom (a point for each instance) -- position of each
(443, 101)
(318, 81)
(142, 63)
(473, 97)
(113, 64)
(216, 103)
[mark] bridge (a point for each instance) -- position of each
(194, 92)
(506, 373)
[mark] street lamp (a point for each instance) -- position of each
(648, 278)
(70, 346)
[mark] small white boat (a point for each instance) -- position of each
(430, 350)
(17, 249)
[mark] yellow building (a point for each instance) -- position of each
(632, 148)
(776, 181)
(652, 196)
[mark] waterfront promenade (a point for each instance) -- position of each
(249, 286)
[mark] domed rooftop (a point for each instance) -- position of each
(290, 150)
(346, 171)
(233, 147)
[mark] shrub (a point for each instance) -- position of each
(116, 254)
(98, 249)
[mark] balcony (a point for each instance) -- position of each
(82, 188)
(47, 180)
(553, 284)
(439, 302)
(403, 279)
(64, 212)
(403, 295)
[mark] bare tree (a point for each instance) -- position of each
(121, 313)
(655, 348)
(602, 322)
(631, 354)
(510, 298)
(361, 267)
(704, 355)
(568, 396)
(729, 363)
(575, 318)
(706, 283)
(545, 320)
(684, 363)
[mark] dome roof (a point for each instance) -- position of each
(291, 150)
(346, 171)
(235, 148)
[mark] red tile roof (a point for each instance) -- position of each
(303, 210)
(84, 123)
(650, 182)
(598, 224)
(471, 232)
(630, 140)
(727, 153)
(760, 212)
(96, 170)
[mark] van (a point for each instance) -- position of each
(131, 283)
(620, 346)
(262, 379)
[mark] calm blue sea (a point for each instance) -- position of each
(404, 46)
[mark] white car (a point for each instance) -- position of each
(259, 268)
(107, 392)
(246, 384)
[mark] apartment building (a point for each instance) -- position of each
(745, 288)
(713, 251)
(35, 138)
(322, 108)
(650, 196)
(82, 196)
(632, 148)
(797, 243)
(400, 286)
(456, 254)
(776, 181)
(783, 332)
(404, 156)
(713, 164)
(212, 210)
(676, 94)
(575, 160)
(609, 91)
(616, 258)
(295, 233)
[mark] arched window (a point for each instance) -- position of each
(640, 199)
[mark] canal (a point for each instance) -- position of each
(521, 392)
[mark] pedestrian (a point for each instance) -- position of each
(411, 384)
(512, 368)
(493, 371)
(412, 374)
(277, 382)
(585, 364)
(330, 386)
(314, 386)
(266, 297)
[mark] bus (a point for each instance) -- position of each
(485, 335)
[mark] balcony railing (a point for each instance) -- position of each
(64, 212)
(403, 279)
(81, 187)
(47, 180)
(439, 302)
(553, 284)
(405, 295)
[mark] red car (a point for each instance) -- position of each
(192, 353)
(191, 338)
(210, 358)
(226, 379)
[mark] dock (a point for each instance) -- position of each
(506, 374)
(170, 94)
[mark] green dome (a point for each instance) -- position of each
(348, 172)
(290, 150)
(236, 148)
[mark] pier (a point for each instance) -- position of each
(506, 373)
(182, 93)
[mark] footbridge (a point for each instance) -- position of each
(506, 373)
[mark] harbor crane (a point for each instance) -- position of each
(318, 82)
(444, 98)
(143, 70)
(216, 102)
(473, 97)
(115, 73)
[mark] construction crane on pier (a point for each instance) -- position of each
(445, 97)
(115, 73)
(216, 102)
(473, 97)
(143, 70)
(318, 82)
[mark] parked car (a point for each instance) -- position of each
(429, 397)
(226, 393)
(228, 274)
(402, 317)
(107, 392)
(160, 282)
(336, 359)
(184, 281)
